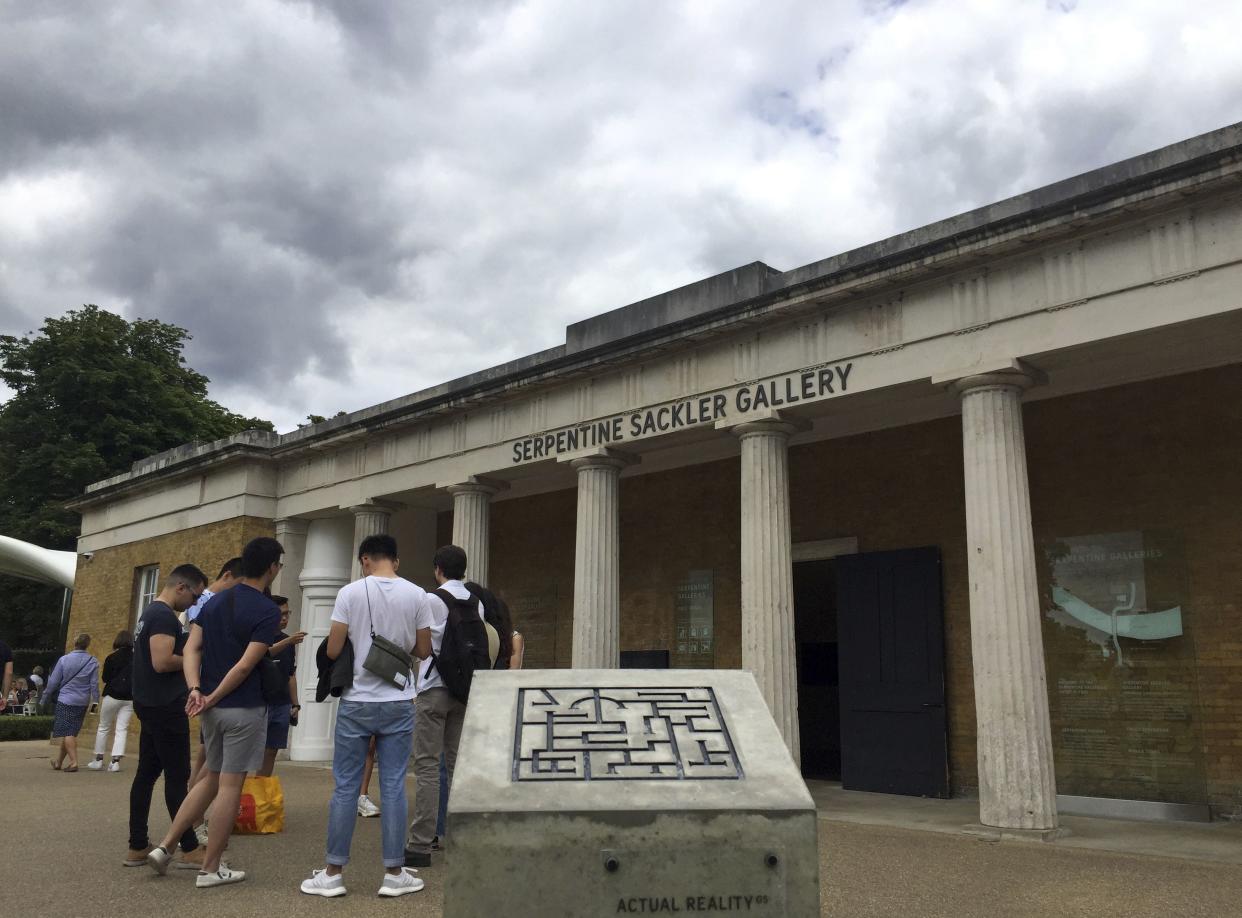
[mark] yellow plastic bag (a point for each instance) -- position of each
(262, 807)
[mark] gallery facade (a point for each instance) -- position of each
(963, 500)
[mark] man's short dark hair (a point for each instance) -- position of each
(280, 600)
(378, 546)
(451, 560)
(188, 574)
(232, 566)
(260, 554)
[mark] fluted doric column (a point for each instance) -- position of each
(472, 509)
(597, 561)
(291, 534)
(369, 519)
(767, 572)
(1017, 785)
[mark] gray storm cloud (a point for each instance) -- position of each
(346, 202)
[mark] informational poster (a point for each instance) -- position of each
(694, 622)
(1122, 674)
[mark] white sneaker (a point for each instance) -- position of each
(402, 883)
(222, 877)
(366, 807)
(320, 884)
(201, 834)
(95, 765)
(114, 767)
(158, 859)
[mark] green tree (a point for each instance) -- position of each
(92, 393)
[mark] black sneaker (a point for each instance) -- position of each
(417, 858)
(435, 843)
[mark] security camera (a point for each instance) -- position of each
(88, 555)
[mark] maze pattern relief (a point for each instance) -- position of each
(634, 734)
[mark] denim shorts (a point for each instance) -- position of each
(278, 726)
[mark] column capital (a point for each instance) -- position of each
(606, 458)
(1001, 374)
(475, 484)
(291, 524)
(771, 423)
(374, 506)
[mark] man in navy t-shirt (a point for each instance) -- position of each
(227, 640)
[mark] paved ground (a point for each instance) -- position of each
(74, 830)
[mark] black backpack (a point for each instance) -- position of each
(492, 615)
(463, 649)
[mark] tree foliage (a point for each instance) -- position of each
(92, 393)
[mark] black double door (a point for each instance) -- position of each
(871, 671)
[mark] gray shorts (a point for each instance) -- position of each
(234, 739)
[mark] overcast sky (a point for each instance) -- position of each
(346, 202)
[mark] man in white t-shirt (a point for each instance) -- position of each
(388, 606)
(440, 715)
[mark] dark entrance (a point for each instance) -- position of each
(815, 632)
(891, 652)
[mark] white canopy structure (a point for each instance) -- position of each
(21, 559)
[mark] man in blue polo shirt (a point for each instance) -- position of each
(227, 640)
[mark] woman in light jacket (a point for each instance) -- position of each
(76, 676)
(118, 702)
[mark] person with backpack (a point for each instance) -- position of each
(118, 702)
(459, 646)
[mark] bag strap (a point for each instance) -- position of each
(366, 589)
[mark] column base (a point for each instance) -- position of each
(996, 833)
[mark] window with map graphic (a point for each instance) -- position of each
(599, 734)
(1122, 668)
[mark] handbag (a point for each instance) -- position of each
(388, 661)
(273, 685)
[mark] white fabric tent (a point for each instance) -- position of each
(21, 559)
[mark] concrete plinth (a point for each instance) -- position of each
(607, 792)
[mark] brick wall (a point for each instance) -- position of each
(104, 595)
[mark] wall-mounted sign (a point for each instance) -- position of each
(694, 622)
(812, 385)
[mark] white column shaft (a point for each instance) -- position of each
(1017, 787)
(597, 557)
(369, 519)
(767, 573)
(472, 508)
(291, 533)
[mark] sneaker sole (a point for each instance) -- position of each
(160, 868)
(228, 882)
(141, 863)
(389, 892)
(326, 893)
(186, 865)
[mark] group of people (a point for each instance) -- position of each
(16, 693)
(218, 651)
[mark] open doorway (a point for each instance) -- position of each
(815, 633)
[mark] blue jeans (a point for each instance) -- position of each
(392, 725)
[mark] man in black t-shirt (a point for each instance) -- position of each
(281, 716)
(159, 701)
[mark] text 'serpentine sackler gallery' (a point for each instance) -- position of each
(965, 501)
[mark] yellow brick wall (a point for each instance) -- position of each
(104, 595)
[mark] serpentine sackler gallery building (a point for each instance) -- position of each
(964, 500)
